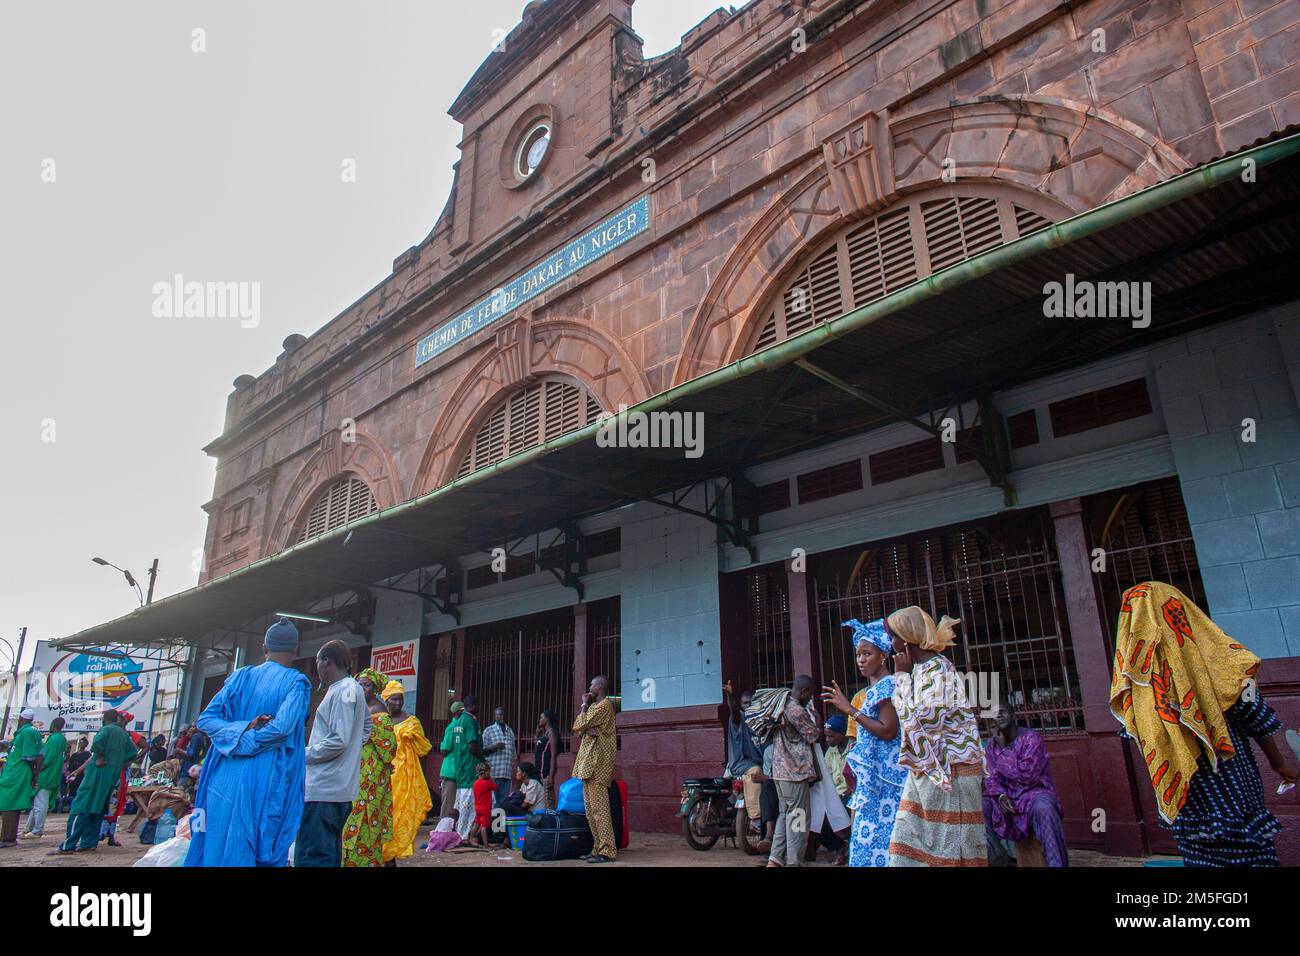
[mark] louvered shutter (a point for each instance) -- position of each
(345, 500)
(532, 415)
(1028, 221)
(960, 227)
(881, 256)
(905, 243)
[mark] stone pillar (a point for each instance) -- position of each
(581, 653)
(462, 665)
(1107, 752)
(803, 646)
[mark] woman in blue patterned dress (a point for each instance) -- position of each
(874, 760)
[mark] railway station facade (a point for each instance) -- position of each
(827, 229)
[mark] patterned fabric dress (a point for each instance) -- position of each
(1224, 821)
(370, 824)
(411, 800)
(940, 818)
(879, 783)
(1179, 689)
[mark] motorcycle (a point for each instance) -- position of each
(714, 807)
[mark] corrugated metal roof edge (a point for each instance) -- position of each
(1062, 233)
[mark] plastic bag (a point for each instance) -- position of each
(166, 827)
(765, 711)
(570, 796)
(170, 853)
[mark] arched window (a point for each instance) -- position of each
(909, 241)
(346, 500)
(534, 414)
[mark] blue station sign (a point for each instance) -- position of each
(596, 242)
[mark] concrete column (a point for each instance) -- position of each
(581, 653)
(462, 665)
(1108, 754)
(803, 645)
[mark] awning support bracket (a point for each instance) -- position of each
(444, 607)
(734, 532)
(989, 458)
(575, 560)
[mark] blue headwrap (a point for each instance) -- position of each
(837, 722)
(281, 636)
(873, 631)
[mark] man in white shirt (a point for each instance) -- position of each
(341, 726)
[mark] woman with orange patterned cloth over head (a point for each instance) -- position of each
(1185, 691)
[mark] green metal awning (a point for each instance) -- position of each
(1213, 246)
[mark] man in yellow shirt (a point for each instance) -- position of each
(595, 766)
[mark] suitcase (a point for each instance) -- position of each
(618, 812)
(556, 836)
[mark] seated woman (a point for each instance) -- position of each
(1020, 800)
(531, 795)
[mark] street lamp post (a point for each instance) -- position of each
(17, 656)
(145, 599)
(153, 577)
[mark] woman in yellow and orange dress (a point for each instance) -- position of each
(411, 801)
(370, 824)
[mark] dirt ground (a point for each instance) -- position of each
(647, 849)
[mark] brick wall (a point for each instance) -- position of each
(1190, 80)
(670, 628)
(1243, 498)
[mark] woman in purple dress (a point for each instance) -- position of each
(1019, 796)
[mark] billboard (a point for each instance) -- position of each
(79, 687)
(399, 661)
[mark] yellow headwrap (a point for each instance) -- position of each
(914, 626)
(391, 688)
(1175, 674)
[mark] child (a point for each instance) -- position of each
(484, 788)
(444, 836)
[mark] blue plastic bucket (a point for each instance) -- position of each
(515, 827)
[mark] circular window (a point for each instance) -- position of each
(526, 148)
(532, 150)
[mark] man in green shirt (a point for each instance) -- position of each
(47, 784)
(447, 772)
(111, 750)
(18, 781)
(466, 752)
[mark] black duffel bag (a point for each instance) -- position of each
(557, 836)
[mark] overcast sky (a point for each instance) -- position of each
(221, 166)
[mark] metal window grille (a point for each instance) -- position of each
(444, 689)
(524, 666)
(1001, 578)
(768, 605)
(605, 626)
(1145, 536)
